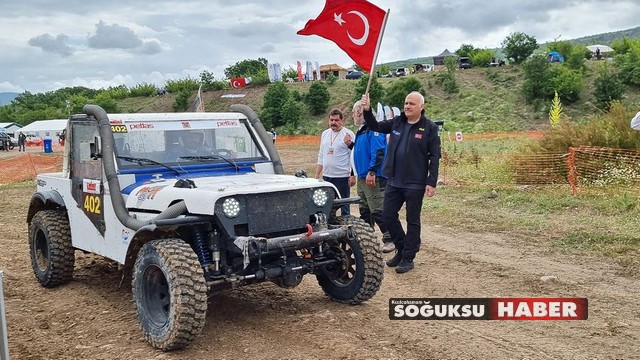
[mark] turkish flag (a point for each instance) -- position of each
(354, 25)
(238, 82)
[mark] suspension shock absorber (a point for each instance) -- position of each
(201, 246)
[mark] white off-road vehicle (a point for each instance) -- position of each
(189, 204)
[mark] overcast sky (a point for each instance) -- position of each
(49, 44)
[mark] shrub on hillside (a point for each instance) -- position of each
(117, 92)
(182, 101)
(536, 78)
(274, 99)
(607, 87)
(567, 82)
(187, 84)
(399, 90)
(317, 99)
(376, 91)
(143, 89)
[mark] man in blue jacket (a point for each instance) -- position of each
(368, 152)
(411, 167)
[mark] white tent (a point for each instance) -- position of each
(604, 49)
(46, 129)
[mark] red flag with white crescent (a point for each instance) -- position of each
(238, 83)
(354, 25)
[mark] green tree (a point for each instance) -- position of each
(607, 87)
(466, 50)
(519, 46)
(397, 93)
(536, 77)
(274, 99)
(576, 58)
(317, 99)
(289, 73)
(291, 115)
(563, 48)
(448, 79)
(376, 91)
(629, 64)
(105, 101)
(246, 68)
(482, 57)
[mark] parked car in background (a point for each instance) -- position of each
(464, 63)
(354, 75)
(6, 141)
(423, 67)
(403, 71)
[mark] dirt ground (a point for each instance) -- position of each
(93, 316)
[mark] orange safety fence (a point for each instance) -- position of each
(27, 166)
(583, 165)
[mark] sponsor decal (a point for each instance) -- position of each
(488, 309)
(418, 136)
(91, 186)
(147, 192)
(186, 125)
(141, 126)
(396, 132)
(125, 235)
(227, 123)
(116, 121)
(41, 183)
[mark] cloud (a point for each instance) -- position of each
(114, 37)
(151, 47)
(50, 44)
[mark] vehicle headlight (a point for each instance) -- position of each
(320, 197)
(231, 207)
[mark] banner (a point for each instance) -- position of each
(308, 76)
(300, 77)
(317, 71)
(356, 26)
(275, 72)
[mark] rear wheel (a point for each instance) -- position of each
(52, 255)
(359, 275)
(170, 293)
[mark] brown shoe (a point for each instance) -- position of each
(388, 247)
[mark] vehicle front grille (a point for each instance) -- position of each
(275, 212)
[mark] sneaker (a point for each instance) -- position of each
(395, 260)
(388, 247)
(404, 266)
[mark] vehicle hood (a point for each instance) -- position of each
(158, 195)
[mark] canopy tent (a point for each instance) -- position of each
(439, 59)
(45, 129)
(603, 49)
(554, 56)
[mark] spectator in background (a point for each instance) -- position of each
(411, 167)
(368, 152)
(274, 135)
(635, 122)
(22, 139)
(334, 157)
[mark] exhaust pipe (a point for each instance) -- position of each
(115, 192)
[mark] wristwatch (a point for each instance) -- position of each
(371, 173)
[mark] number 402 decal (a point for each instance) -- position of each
(92, 204)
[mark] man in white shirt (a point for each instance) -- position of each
(334, 157)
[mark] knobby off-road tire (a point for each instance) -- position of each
(360, 276)
(170, 293)
(52, 255)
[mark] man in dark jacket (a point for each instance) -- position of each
(411, 167)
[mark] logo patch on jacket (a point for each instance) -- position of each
(418, 136)
(396, 132)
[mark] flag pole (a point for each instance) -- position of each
(375, 55)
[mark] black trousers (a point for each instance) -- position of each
(407, 243)
(342, 184)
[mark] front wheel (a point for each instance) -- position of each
(52, 255)
(170, 293)
(359, 275)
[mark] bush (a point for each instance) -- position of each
(117, 92)
(106, 102)
(176, 86)
(143, 89)
(331, 79)
(567, 82)
(607, 87)
(376, 92)
(317, 98)
(536, 77)
(274, 99)
(291, 114)
(397, 93)
(182, 101)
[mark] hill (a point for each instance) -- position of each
(489, 100)
(608, 38)
(7, 97)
